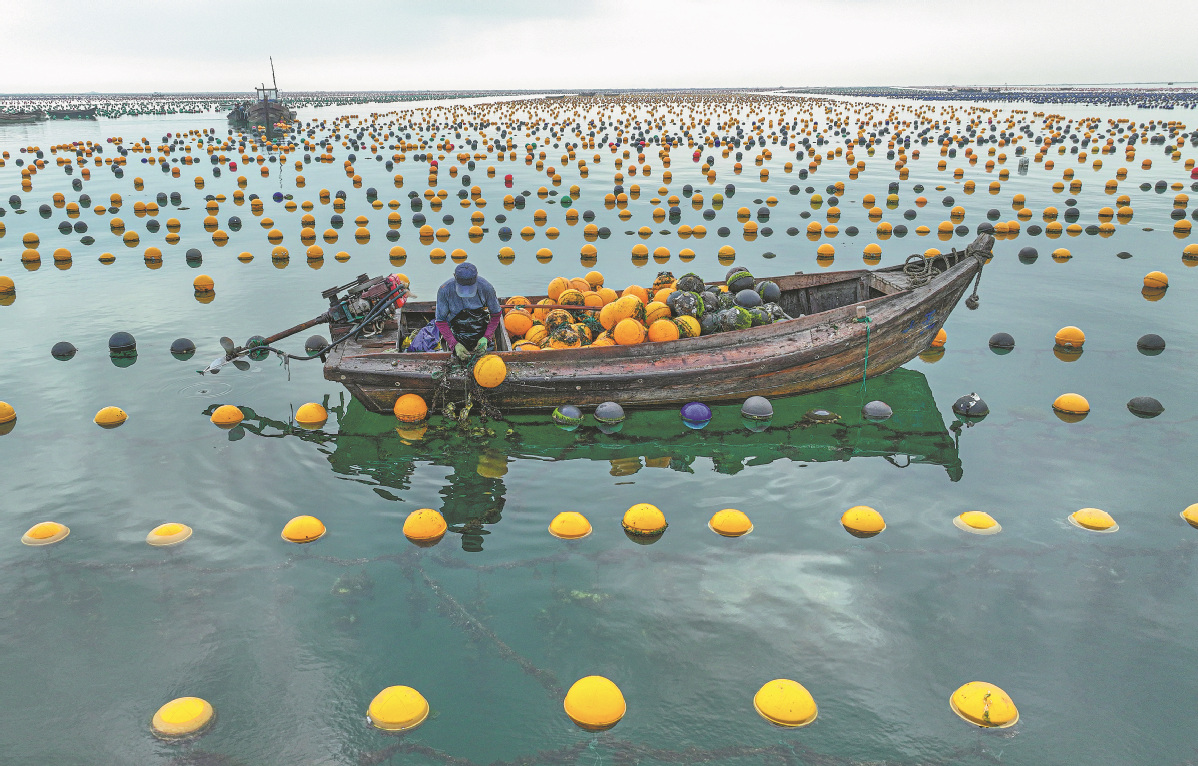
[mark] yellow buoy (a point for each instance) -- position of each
(311, 415)
(397, 708)
(730, 523)
(570, 525)
(303, 529)
(940, 339)
(1093, 519)
(644, 520)
(203, 284)
(46, 533)
(7, 286)
(1070, 337)
(1071, 408)
(594, 703)
(7, 413)
(862, 521)
(977, 523)
(110, 417)
(490, 371)
(1190, 514)
(985, 705)
(424, 527)
(1156, 280)
(168, 534)
(182, 717)
(785, 703)
(227, 416)
(410, 408)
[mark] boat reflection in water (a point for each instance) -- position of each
(370, 448)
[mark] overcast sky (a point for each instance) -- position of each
(220, 45)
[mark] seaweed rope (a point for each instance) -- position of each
(865, 368)
(472, 392)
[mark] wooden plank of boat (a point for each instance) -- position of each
(826, 347)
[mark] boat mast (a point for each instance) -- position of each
(272, 75)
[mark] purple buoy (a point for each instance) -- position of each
(696, 414)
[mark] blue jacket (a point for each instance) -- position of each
(449, 303)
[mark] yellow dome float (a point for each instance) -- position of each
(787, 703)
(1070, 337)
(595, 704)
(1071, 408)
(984, 705)
(303, 529)
(1190, 515)
(45, 533)
(490, 371)
(644, 522)
(7, 413)
(311, 415)
(862, 521)
(1093, 519)
(227, 416)
(397, 709)
(1156, 280)
(410, 408)
(730, 523)
(182, 718)
(165, 535)
(977, 523)
(110, 417)
(424, 527)
(203, 284)
(570, 525)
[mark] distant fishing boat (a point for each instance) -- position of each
(268, 108)
(88, 113)
(22, 116)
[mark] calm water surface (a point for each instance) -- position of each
(1092, 635)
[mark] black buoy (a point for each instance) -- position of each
(256, 340)
(1123, 255)
(1002, 343)
(183, 349)
(1150, 344)
(1028, 255)
(193, 254)
(314, 344)
(121, 342)
(63, 350)
(971, 406)
(1145, 407)
(610, 417)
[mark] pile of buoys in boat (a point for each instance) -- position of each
(584, 312)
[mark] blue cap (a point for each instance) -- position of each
(466, 278)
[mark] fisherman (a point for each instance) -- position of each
(467, 312)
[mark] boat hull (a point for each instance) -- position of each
(819, 351)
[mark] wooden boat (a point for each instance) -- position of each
(827, 346)
(72, 114)
(22, 116)
(266, 109)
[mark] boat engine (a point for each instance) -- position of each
(360, 299)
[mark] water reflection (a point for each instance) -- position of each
(370, 448)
